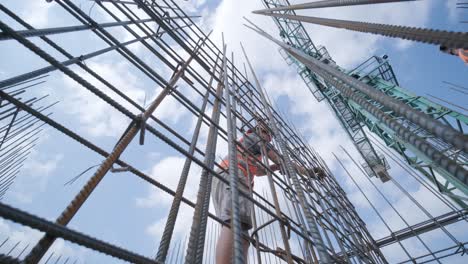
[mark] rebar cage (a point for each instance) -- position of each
(139, 60)
(185, 68)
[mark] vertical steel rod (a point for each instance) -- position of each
(45, 242)
(312, 224)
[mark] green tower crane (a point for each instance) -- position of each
(378, 73)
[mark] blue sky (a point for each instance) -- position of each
(126, 211)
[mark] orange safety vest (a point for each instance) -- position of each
(463, 54)
(242, 161)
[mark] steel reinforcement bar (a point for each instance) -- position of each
(430, 36)
(327, 3)
(344, 83)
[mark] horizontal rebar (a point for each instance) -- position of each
(57, 230)
(430, 36)
(327, 3)
(424, 227)
(170, 55)
(343, 83)
(59, 30)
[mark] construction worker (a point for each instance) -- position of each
(462, 53)
(247, 165)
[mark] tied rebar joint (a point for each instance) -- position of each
(141, 124)
(121, 169)
(286, 224)
(462, 249)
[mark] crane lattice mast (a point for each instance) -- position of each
(378, 73)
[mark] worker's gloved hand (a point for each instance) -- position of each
(277, 167)
(317, 173)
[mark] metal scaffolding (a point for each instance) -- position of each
(299, 218)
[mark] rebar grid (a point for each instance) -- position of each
(186, 35)
(321, 201)
(310, 61)
(430, 36)
(353, 116)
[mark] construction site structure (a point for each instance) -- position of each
(296, 219)
(377, 73)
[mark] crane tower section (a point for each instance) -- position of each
(378, 73)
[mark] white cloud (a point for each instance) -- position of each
(168, 171)
(279, 80)
(228, 19)
(170, 109)
(182, 226)
(317, 121)
(95, 116)
(190, 6)
(346, 47)
(349, 48)
(36, 13)
(34, 177)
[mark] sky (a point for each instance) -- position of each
(124, 210)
